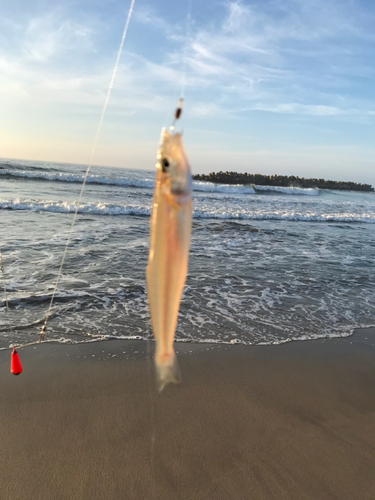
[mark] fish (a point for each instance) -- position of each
(170, 234)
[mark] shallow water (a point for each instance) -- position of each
(266, 266)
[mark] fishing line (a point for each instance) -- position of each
(78, 202)
(188, 25)
(184, 60)
(15, 363)
(4, 284)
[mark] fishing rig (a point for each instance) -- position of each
(16, 366)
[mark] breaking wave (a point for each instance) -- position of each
(145, 210)
(287, 190)
(70, 207)
(91, 179)
(208, 187)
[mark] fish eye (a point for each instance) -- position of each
(164, 164)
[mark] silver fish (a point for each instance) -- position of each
(170, 231)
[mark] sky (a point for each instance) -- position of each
(270, 86)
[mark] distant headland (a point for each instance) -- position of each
(279, 180)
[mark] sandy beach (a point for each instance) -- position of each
(291, 421)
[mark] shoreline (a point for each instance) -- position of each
(178, 342)
(290, 421)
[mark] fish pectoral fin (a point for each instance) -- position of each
(167, 371)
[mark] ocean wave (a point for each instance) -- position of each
(199, 186)
(287, 190)
(210, 187)
(70, 207)
(139, 210)
(121, 181)
(285, 217)
(91, 179)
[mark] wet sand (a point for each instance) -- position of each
(293, 421)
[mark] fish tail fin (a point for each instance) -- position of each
(167, 370)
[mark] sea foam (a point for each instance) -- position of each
(199, 186)
(205, 212)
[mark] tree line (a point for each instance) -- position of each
(280, 180)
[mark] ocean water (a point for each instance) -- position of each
(267, 265)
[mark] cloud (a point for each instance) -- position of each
(145, 14)
(48, 36)
(47, 56)
(304, 109)
(207, 109)
(281, 56)
(277, 52)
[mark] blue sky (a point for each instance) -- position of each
(271, 86)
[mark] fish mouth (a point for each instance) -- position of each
(178, 191)
(181, 186)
